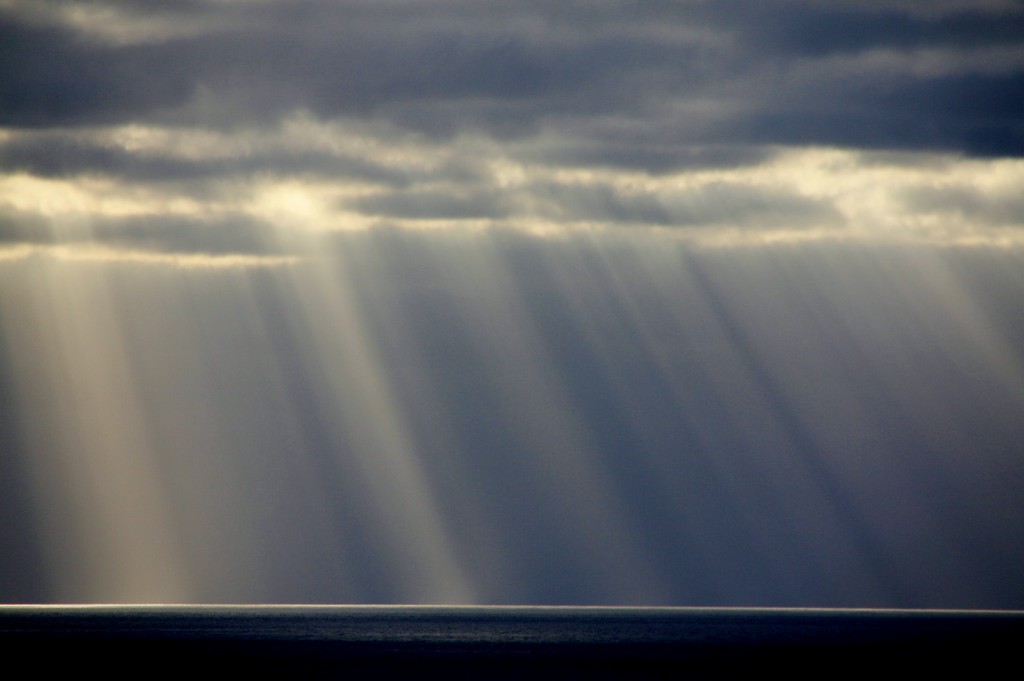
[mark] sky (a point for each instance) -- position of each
(683, 302)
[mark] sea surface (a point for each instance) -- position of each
(505, 642)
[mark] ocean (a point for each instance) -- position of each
(502, 642)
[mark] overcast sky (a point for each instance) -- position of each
(670, 302)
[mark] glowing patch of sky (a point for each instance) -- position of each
(822, 193)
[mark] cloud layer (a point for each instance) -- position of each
(790, 72)
(687, 116)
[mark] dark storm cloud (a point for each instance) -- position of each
(980, 115)
(808, 28)
(52, 77)
(711, 72)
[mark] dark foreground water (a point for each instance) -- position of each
(507, 642)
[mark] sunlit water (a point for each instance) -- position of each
(489, 418)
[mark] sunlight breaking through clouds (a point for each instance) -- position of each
(807, 194)
(473, 417)
(702, 303)
(94, 462)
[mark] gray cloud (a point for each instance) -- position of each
(970, 203)
(232, 234)
(435, 204)
(19, 227)
(597, 201)
(741, 71)
(716, 203)
(227, 234)
(655, 159)
(749, 206)
(808, 28)
(64, 155)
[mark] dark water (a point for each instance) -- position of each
(505, 642)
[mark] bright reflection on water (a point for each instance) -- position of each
(492, 418)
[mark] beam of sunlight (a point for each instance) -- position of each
(409, 302)
(549, 439)
(103, 503)
(368, 425)
(453, 416)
